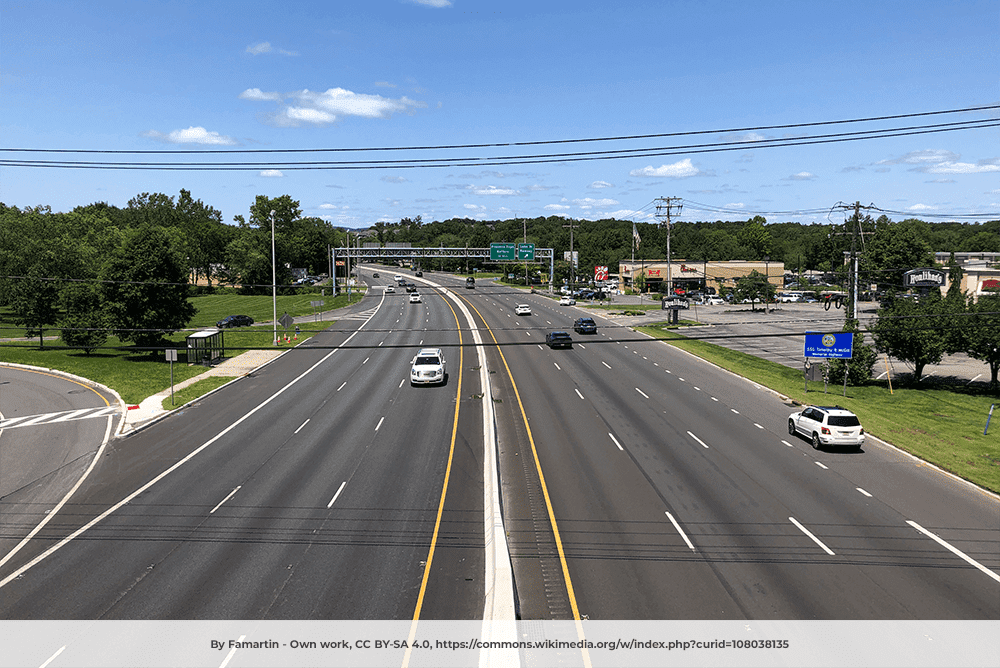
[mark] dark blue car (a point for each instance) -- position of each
(234, 321)
(585, 326)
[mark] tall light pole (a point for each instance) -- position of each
(274, 285)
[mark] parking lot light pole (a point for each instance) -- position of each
(274, 285)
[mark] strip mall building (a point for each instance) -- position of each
(690, 276)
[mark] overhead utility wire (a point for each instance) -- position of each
(511, 160)
(523, 143)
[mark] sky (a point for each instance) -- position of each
(245, 76)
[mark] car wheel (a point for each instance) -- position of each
(815, 441)
(791, 428)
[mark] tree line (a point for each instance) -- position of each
(127, 270)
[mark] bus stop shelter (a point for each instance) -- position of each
(205, 346)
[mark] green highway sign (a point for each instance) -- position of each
(526, 252)
(502, 252)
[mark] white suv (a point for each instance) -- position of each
(428, 367)
(827, 425)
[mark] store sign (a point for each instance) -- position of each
(924, 278)
(600, 273)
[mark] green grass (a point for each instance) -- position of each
(195, 390)
(137, 375)
(941, 426)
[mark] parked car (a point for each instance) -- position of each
(558, 340)
(428, 367)
(827, 425)
(415, 298)
(234, 321)
(715, 300)
(522, 309)
(566, 301)
(585, 326)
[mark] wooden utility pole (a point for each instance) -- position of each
(572, 265)
(665, 206)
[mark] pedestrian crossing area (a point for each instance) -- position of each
(55, 418)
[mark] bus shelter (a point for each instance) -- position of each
(205, 346)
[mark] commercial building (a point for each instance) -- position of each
(688, 275)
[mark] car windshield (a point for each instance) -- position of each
(843, 421)
(428, 359)
(586, 321)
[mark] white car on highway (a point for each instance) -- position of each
(389, 289)
(428, 367)
(566, 301)
(522, 309)
(827, 425)
(415, 298)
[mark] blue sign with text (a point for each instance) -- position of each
(839, 345)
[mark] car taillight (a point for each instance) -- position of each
(826, 431)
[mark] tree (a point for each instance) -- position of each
(754, 287)
(982, 333)
(754, 239)
(82, 322)
(144, 288)
(912, 331)
(859, 367)
(893, 250)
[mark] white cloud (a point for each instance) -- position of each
(929, 156)
(272, 173)
(258, 95)
(735, 205)
(192, 135)
(394, 179)
(432, 3)
(474, 207)
(802, 176)
(257, 49)
(589, 202)
(493, 190)
(323, 108)
(601, 184)
(678, 170)
(327, 206)
(962, 168)
(556, 207)
(922, 207)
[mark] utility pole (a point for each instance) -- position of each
(665, 207)
(852, 289)
(572, 265)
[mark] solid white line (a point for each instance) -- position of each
(955, 550)
(822, 465)
(698, 439)
(616, 441)
(578, 393)
(379, 423)
(606, 364)
(679, 529)
(339, 490)
(128, 499)
(53, 657)
(863, 492)
(642, 393)
(809, 533)
(229, 656)
(300, 427)
(342, 386)
(228, 496)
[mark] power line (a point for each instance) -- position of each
(414, 163)
(523, 143)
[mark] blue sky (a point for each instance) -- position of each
(142, 76)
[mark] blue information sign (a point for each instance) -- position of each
(839, 345)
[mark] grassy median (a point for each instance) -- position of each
(942, 426)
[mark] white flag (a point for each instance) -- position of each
(635, 235)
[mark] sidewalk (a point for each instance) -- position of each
(151, 408)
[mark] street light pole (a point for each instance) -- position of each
(274, 285)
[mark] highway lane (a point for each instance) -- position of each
(320, 504)
(761, 510)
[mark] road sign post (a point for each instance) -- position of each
(171, 357)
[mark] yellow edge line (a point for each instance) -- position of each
(447, 474)
(541, 477)
(61, 377)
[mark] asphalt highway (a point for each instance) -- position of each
(637, 482)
